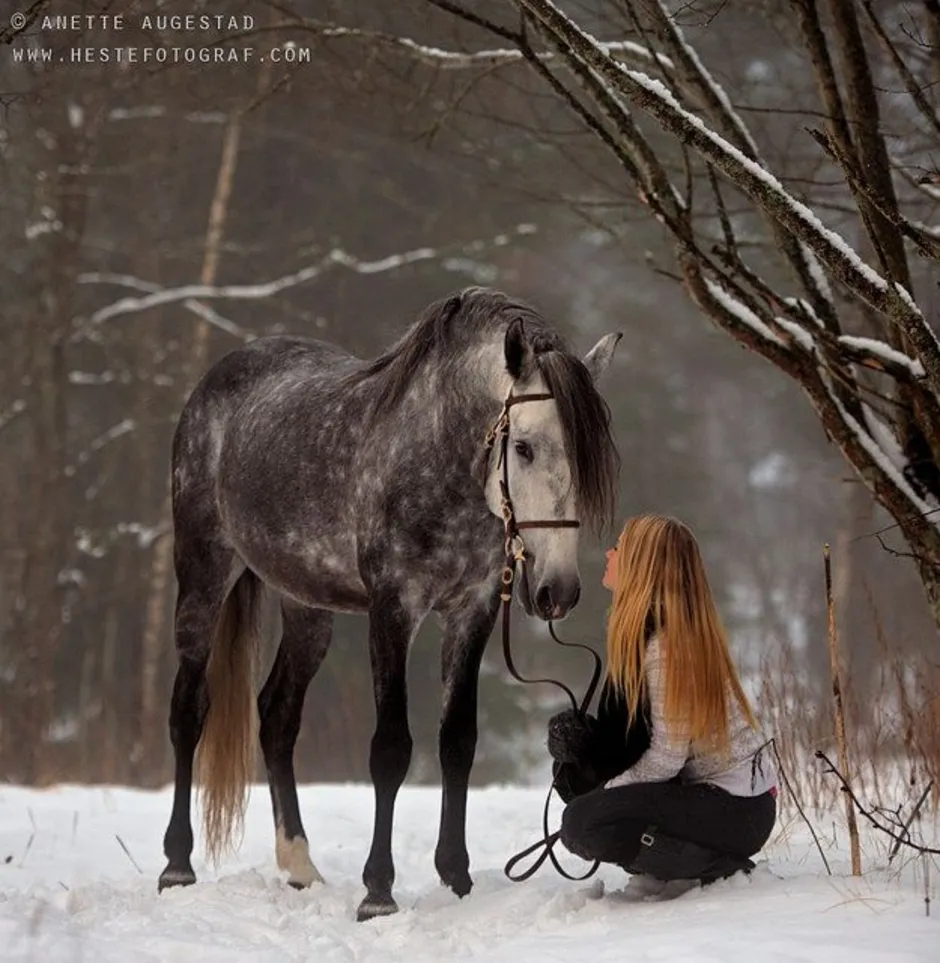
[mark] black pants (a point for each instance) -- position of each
(606, 824)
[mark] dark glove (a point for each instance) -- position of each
(570, 737)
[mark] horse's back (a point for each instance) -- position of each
(242, 371)
(259, 368)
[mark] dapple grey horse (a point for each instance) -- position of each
(353, 486)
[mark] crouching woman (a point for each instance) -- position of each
(700, 798)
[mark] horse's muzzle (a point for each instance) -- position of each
(555, 598)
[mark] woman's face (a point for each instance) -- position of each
(609, 581)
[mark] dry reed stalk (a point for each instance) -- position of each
(839, 709)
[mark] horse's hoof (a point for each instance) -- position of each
(373, 906)
(461, 885)
(175, 877)
(294, 856)
(455, 875)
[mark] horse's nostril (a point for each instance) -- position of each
(543, 601)
(557, 598)
(573, 598)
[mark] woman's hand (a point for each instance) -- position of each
(570, 737)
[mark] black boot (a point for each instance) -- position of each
(666, 857)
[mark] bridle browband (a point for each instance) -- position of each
(515, 554)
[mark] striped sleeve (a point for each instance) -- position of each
(668, 751)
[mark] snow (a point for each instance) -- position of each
(816, 272)
(800, 335)
(70, 892)
(884, 352)
(741, 311)
(882, 459)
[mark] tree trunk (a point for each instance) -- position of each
(47, 526)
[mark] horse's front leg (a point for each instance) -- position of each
(390, 631)
(466, 631)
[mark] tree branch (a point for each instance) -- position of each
(900, 840)
(201, 310)
(890, 299)
(335, 258)
(909, 80)
(443, 59)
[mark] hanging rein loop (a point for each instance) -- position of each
(516, 555)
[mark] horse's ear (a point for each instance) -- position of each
(599, 357)
(517, 349)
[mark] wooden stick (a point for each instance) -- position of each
(839, 709)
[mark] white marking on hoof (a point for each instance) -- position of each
(294, 856)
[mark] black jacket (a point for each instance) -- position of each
(612, 746)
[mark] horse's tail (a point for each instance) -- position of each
(225, 757)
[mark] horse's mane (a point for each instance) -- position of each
(480, 311)
(464, 319)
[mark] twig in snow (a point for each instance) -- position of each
(29, 846)
(906, 825)
(127, 852)
(799, 808)
(867, 813)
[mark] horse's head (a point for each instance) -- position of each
(556, 461)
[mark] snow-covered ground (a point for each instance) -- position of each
(73, 894)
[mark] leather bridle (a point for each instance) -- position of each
(515, 554)
(514, 545)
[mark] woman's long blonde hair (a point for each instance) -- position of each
(661, 576)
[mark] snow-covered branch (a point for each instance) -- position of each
(893, 475)
(442, 59)
(710, 92)
(137, 284)
(883, 354)
(700, 83)
(744, 315)
(190, 294)
(765, 190)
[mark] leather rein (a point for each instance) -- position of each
(515, 554)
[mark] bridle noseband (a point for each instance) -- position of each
(515, 554)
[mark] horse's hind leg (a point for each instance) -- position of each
(305, 639)
(204, 575)
(466, 631)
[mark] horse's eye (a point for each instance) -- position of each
(524, 451)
